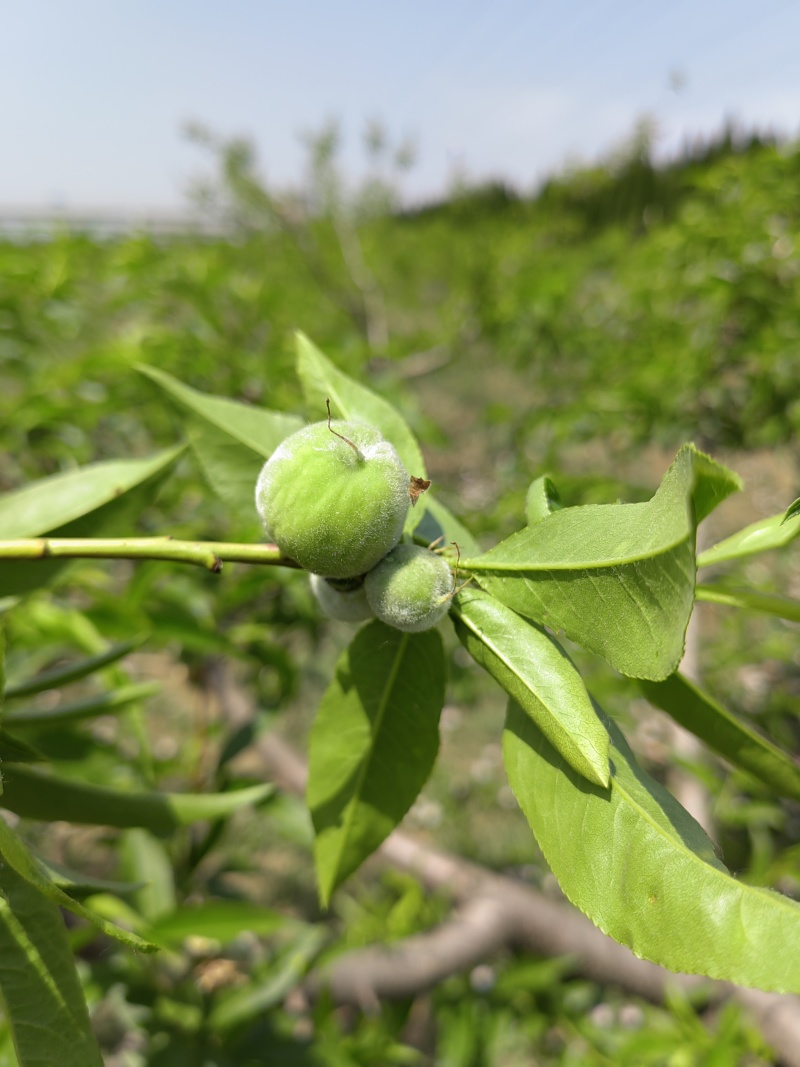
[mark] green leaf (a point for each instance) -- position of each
(373, 745)
(541, 500)
(231, 469)
(3, 693)
(42, 998)
(751, 600)
(67, 878)
(793, 511)
(16, 856)
(643, 870)
(35, 795)
(256, 998)
(616, 578)
(353, 401)
(15, 750)
(259, 429)
(65, 744)
(735, 740)
(98, 500)
(60, 500)
(145, 859)
(220, 920)
(72, 672)
(775, 532)
(90, 708)
(231, 440)
(713, 483)
(533, 669)
(117, 912)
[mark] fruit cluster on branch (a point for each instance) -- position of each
(334, 496)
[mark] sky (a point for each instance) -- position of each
(95, 94)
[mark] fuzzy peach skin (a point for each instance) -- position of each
(410, 589)
(334, 507)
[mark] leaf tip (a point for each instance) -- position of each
(792, 511)
(325, 889)
(599, 773)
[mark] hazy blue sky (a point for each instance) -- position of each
(94, 93)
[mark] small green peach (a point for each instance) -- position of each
(341, 598)
(334, 497)
(410, 589)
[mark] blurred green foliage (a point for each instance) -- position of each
(673, 320)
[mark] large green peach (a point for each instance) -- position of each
(410, 589)
(341, 598)
(334, 498)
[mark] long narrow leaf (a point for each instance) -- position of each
(231, 440)
(99, 500)
(793, 511)
(644, 871)
(256, 998)
(68, 879)
(533, 669)
(41, 993)
(90, 708)
(15, 750)
(71, 672)
(698, 712)
(259, 429)
(145, 859)
(35, 795)
(768, 603)
(53, 502)
(373, 745)
(221, 920)
(230, 468)
(16, 856)
(775, 532)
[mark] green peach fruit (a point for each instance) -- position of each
(344, 598)
(410, 589)
(334, 498)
